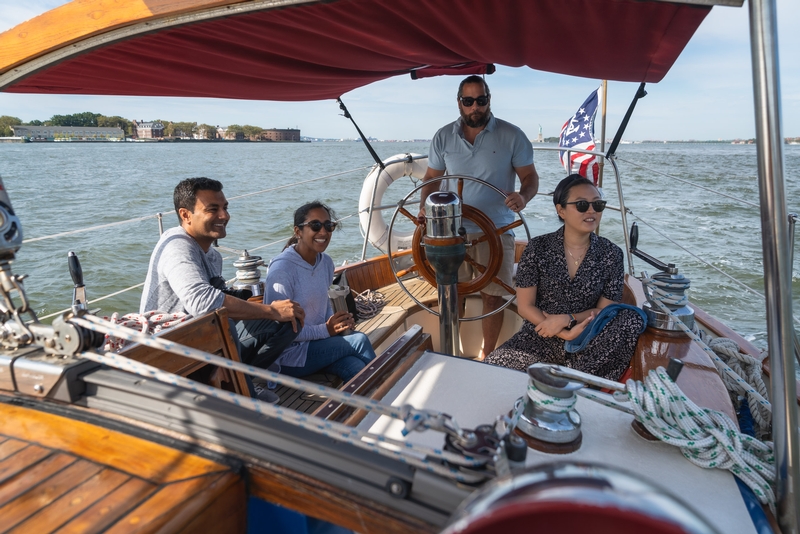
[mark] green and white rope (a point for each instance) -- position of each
(740, 384)
(550, 403)
(414, 419)
(707, 438)
(749, 368)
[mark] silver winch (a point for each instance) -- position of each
(543, 425)
(676, 285)
(668, 287)
(248, 274)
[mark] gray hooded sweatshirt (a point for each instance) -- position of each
(291, 277)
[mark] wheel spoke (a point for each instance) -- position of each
(504, 285)
(408, 214)
(404, 272)
(461, 188)
(471, 261)
(506, 228)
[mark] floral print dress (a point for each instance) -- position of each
(601, 274)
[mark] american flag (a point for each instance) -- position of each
(578, 132)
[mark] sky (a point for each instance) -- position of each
(707, 94)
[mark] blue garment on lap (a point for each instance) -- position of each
(598, 323)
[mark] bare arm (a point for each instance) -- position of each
(428, 188)
(529, 186)
(279, 310)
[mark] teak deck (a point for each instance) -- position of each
(62, 475)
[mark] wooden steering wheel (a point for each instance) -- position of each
(491, 235)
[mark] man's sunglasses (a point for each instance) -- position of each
(316, 225)
(467, 101)
(583, 205)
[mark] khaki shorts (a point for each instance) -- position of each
(480, 253)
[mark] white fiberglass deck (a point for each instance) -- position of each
(475, 393)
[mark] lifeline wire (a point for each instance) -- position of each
(414, 419)
(331, 429)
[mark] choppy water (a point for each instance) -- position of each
(63, 187)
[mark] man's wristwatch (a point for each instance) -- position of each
(572, 322)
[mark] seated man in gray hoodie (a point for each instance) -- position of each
(185, 276)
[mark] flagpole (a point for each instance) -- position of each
(602, 161)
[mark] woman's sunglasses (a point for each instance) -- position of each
(583, 205)
(316, 225)
(467, 101)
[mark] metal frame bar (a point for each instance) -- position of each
(777, 270)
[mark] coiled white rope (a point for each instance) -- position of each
(414, 419)
(369, 303)
(660, 295)
(706, 438)
(749, 368)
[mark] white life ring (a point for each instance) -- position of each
(396, 167)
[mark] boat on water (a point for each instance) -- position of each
(149, 440)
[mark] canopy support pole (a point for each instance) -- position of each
(777, 270)
(375, 185)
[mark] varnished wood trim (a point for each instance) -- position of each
(384, 388)
(373, 373)
(312, 497)
(129, 454)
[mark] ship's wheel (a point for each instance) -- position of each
(491, 235)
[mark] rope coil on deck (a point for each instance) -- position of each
(749, 368)
(369, 303)
(743, 387)
(707, 438)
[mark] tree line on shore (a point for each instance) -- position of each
(89, 119)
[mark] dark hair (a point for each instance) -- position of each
(301, 213)
(561, 194)
(185, 195)
(473, 79)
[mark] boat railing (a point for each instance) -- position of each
(624, 211)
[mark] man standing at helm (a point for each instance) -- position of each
(482, 146)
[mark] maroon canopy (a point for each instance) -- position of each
(315, 50)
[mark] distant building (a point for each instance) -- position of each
(68, 133)
(223, 133)
(148, 130)
(275, 134)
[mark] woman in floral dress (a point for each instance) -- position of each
(564, 279)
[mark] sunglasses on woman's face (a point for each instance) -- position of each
(316, 225)
(583, 205)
